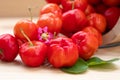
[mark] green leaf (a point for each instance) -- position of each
(97, 61)
(79, 67)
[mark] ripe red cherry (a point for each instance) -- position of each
(8, 47)
(50, 20)
(51, 8)
(33, 55)
(28, 27)
(112, 15)
(96, 33)
(98, 21)
(87, 44)
(62, 52)
(73, 20)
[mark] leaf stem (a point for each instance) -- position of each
(31, 44)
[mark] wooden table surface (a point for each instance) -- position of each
(17, 71)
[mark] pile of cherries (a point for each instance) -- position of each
(65, 31)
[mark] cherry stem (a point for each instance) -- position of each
(30, 10)
(31, 44)
(54, 36)
(73, 5)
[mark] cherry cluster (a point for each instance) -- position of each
(65, 31)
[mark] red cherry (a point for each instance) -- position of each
(96, 33)
(51, 8)
(73, 20)
(50, 20)
(112, 15)
(87, 44)
(8, 47)
(33, 55)
(28, 27)
(62, 52)
(98, 21)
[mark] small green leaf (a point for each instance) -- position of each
(97, 61)
(79, 67)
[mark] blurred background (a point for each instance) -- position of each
(19, 8)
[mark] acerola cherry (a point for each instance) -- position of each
(96, 33)
(28, 27)
(73, 20)
(62, 52)
(112, 15)
(51, 8)
(53, 22)
(8, 47)
(98, 21)
(33, 55)
(87, 44)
